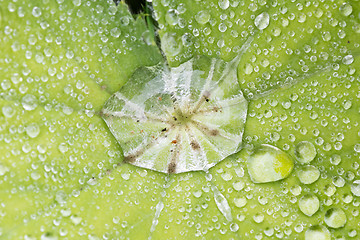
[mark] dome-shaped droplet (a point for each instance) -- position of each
(308, 174)
(309, 204)
(268, 164)
(8, 111)
(305, 152)
(317, 232)
(348, 59)
(262, 20)
(202, 17)
(335, 218)
(355, 188)
(29, 102)
(170, 44)
(32, 130)
(346, 9)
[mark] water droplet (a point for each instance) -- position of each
(308, 174)
(76, 2)
(238, 185)
(268, 164)
(305, 152)
(309, 204)
(36, 12)
(3, 169)
(115, 32)
(335, 218)
(171, 45)
(262, 20)
(32, 130)
(346, 9)
(60, 197)
(222, 204)
(348, 59)
(75, 219)
(317, 232)
(202, 17)
(224, 4)
(355, 188)
(335, 159)
(29, 102)
(234, 227)
(172, 17)
(8, 111)
(240, 202)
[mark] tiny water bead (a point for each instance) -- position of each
(305, 152)
(335, 218)
(308, 174)
(181, 119)
(317, 232)
(32, 130)
(29, 102)
(309, 204)
(268, 164)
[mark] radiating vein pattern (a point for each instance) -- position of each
(179, 119)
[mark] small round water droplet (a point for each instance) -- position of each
(335, 218)
(3, 169)
(29, 102)
(317, 232)
(348, 59)
(355, 188)
(8, 111)
(335, 159)
(308, 174)
(76, 2)
(115, 32)
(305, 152)
(346, 9)
(202, 17)
(32, 130)
(240, 202)
(234, 227)
(268, 164)
(36, 12)
(224, 4)
(170, 45)
(262, 20)
(309, 204)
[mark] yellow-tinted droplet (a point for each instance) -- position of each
(269, 164)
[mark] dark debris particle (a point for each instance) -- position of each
(164, 129)
(195, 145)
(171, 167)
(129, 159)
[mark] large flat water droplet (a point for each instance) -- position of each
(180, 119)
(262, 21)
(268, 164)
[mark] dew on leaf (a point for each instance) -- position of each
(32, 130)
(29, 102)
(202, 17)
(335, 218)
(346, 9)
(355, 188)
(268, 164)
(8, 111)
(3, 169)
(317, 232)
(262, 20)
(348, 59)
(305, 152)
(180, 119)
(308, 174)
(309, 204)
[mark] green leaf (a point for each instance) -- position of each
(62, 174)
